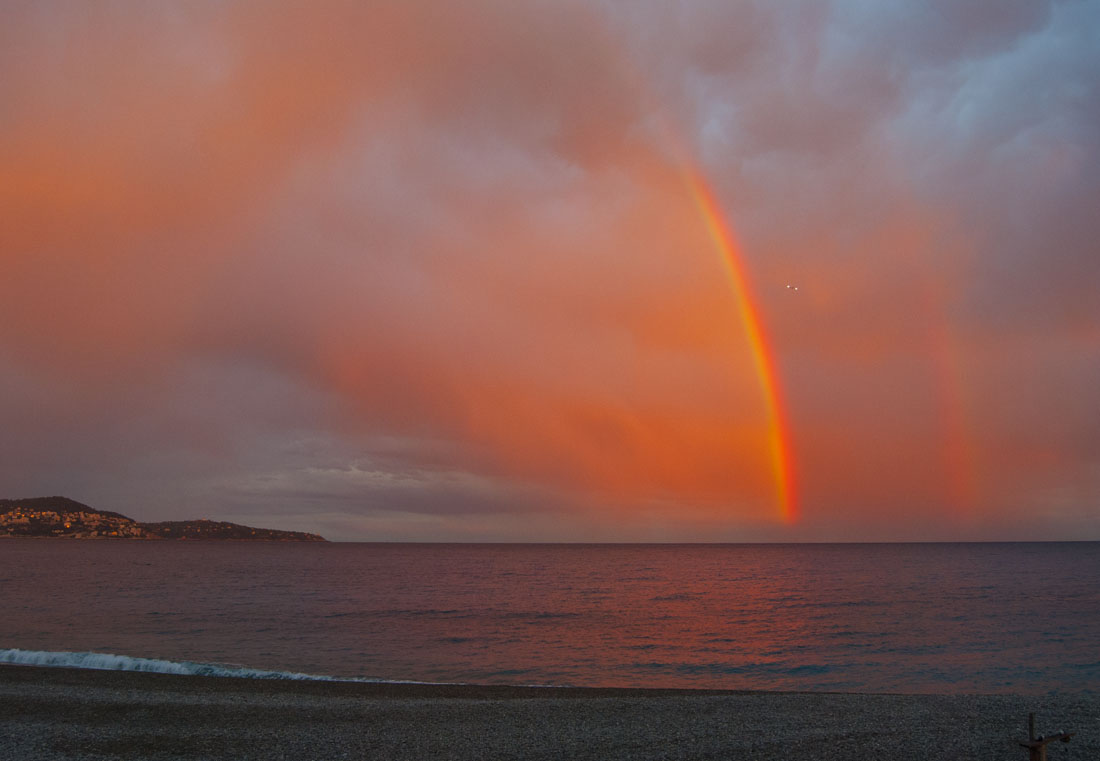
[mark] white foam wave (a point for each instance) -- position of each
(112, 662)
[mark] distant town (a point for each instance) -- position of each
(64, 518)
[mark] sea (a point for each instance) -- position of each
(882, 618)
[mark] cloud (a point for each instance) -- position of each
(226, 229)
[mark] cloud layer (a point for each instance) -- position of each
(425, 271)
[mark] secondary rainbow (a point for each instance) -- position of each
(778, 439)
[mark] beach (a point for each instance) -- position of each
(56, 713)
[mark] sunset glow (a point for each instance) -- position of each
(566, 271)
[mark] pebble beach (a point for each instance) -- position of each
(58, 713)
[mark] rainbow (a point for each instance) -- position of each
(779, 451)
(959, 456)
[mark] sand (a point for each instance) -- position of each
(48, 713)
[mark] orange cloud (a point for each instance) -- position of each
(462, 229)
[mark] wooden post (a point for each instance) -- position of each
(1037, 746)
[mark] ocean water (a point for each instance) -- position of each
(915, 618)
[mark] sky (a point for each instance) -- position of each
(512, 270)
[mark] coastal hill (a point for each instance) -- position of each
(62, 517)
(206, 529)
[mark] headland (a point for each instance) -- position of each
(64, 518)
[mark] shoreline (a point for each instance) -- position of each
(196, 684)
(64, 713)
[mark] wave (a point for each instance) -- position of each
(112, 662)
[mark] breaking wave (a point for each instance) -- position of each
(112, 662)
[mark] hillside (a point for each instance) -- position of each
(62, 517)
(55, 504)
(206, 529)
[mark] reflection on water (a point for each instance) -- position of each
(911, 618)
